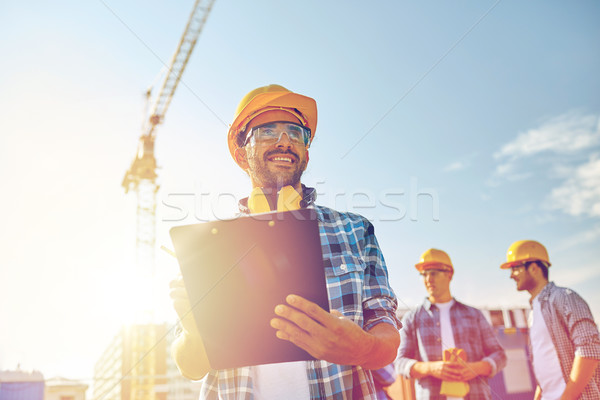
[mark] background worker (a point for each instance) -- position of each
(564, 337)
(383, 379)
(269, 138)
(442, 322)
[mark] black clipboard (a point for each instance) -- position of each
(236, 271)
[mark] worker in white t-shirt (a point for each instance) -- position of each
(442, 323)
(564, 337)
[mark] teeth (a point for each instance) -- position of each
(282, 159)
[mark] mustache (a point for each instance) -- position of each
(288, 151)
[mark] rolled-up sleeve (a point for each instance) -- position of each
(408, 350)
(582, 327)
(379, 300)
(493, 350)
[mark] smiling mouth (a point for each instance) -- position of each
(282, 158)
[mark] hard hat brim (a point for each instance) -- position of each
(510, 264)
(423, 266)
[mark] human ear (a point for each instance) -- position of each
(241, 157)
(306, 165)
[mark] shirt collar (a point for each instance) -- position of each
(309, 195)
(546, 291)
(428, 304)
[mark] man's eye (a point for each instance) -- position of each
(268, 132)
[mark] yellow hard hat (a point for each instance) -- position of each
(271, 103)
(434, 258)
(523, 251)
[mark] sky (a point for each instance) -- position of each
(463, 126)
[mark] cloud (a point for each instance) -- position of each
(580, 193)
(567, 133)
(509, 171)
(456, 166)
(564, 149)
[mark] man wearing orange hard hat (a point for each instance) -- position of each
(565, 342)
(269, 138)
(441, 332)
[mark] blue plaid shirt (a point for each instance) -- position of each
(357, 285)
(420, 340)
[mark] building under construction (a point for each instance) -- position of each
(136, 365)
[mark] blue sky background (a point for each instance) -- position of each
(459, 125)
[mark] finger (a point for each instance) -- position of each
(292, 333)
(282, 335)
(300, 319)
(453, 366)
(312, 310)
(338, 314)
(297, 341)
(450, 371)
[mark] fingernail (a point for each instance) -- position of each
(291, 299)
(279, 309)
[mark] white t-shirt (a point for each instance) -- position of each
(281, 381)
(447, 332)
(546, 365)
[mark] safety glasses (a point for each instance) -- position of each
(517, 269)
(432, 272)
(272, 133)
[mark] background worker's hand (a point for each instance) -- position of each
(326, 336)
(445, 370)
(468, 371)
(181, 304)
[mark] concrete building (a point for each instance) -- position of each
(21, 385)
(65, 389)
(137, 365)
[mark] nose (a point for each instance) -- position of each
(284, 140)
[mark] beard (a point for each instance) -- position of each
(260, 171)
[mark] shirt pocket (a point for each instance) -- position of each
(343, 264)
(345, 279)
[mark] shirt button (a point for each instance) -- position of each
(439, 340)
(343, 267)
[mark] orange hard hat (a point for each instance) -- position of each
(434, 258)
(271, 103)
(523, 251)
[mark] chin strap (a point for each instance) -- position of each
(288, 199)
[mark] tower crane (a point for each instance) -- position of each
(141, 175)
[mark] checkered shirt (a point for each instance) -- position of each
(383, 377)
(573, 331)
(420, 340)
(357, 285)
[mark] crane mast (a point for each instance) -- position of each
(141, 177)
